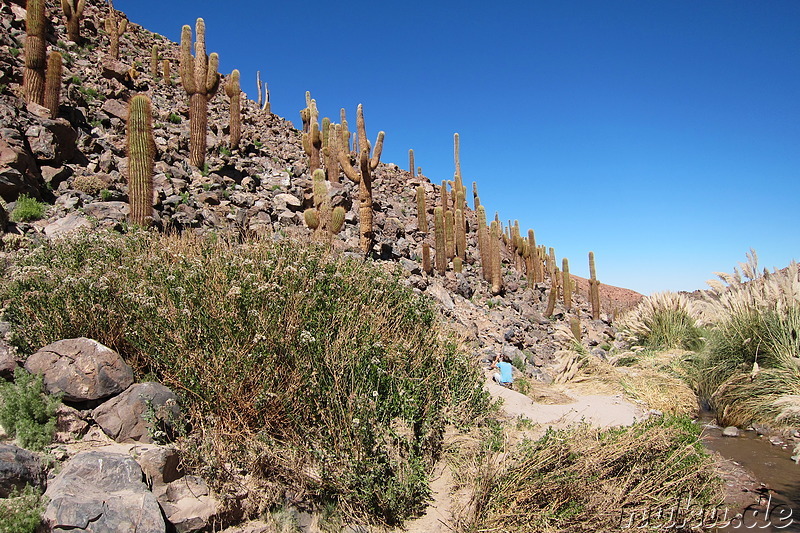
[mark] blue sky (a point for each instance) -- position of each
(662, 135)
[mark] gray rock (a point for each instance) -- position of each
(100, 491)
(108, 212)
(730, 431)
(3, 220)
(160, 464)
(125, 417)
(18, 170)
(284, 201)
(115, 108)
(189, 504)
(70, 425)
(441, 295)
(81, 369)
(69, 224)
(52, 142)
(18, 467)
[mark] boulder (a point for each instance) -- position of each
(52, 142)
(18, 467)
(285, 201)
(441, 295)
(160, 464)
(146, 412)
(102, 491)
(18, 171)
(81, 369)
(70, 425)
(9, 360)
(69, 224)
(115, 108)
(3, 219)
(108, 212)
(189, 504)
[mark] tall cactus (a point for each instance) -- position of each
(35, 53)
(483, 243)
(200, 80)
(445, 200)
(115, 27)
(449, 235)
(411, 161)
(52, 90)
(460, 234)
(497, 265)
(426, 258)
(364, 177)
(312, 139)
(154, 62)
(567, 284)
(594, 288)
(422, 210)
(439, 234)
(325, 222)
(457, 153)
(73, 10)
(141, 154)
(165, 72)
(234, 92)
(475, 198)
(331, 138)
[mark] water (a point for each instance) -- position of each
(771, 465)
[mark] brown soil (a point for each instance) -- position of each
(613, 299)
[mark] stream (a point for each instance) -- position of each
(769, 464)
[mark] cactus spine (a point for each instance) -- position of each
(325, 222)
(497, 266)
(458, 264)
(312, 139)
(551, 300)
(411, 161)
(52, 90)
(594, 288)
(200, 80)
(234, 91)
(364, 178)
(35, 53)
(73, 10)
(260, 92)
(115, 27)
(422, 210)
(445, 201)
(439, 234)
(331, 137)
(426, 258)
(141, 154)
(567, 284)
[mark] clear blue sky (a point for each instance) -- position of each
(663, 135)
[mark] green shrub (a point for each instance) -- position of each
(27, 209)
(317, 374)
(174, 118)
(22, 511)
(27, 412)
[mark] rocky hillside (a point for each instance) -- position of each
(77, 164)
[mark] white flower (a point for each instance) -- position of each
(374, 394)
(356, 421)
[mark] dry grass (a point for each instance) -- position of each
(584, 479)
(664, 320)
(652, 379)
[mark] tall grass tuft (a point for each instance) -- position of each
(752, 360)
(585, 479)
(319, 376)
(664, 320)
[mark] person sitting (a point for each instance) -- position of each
(505, 376)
